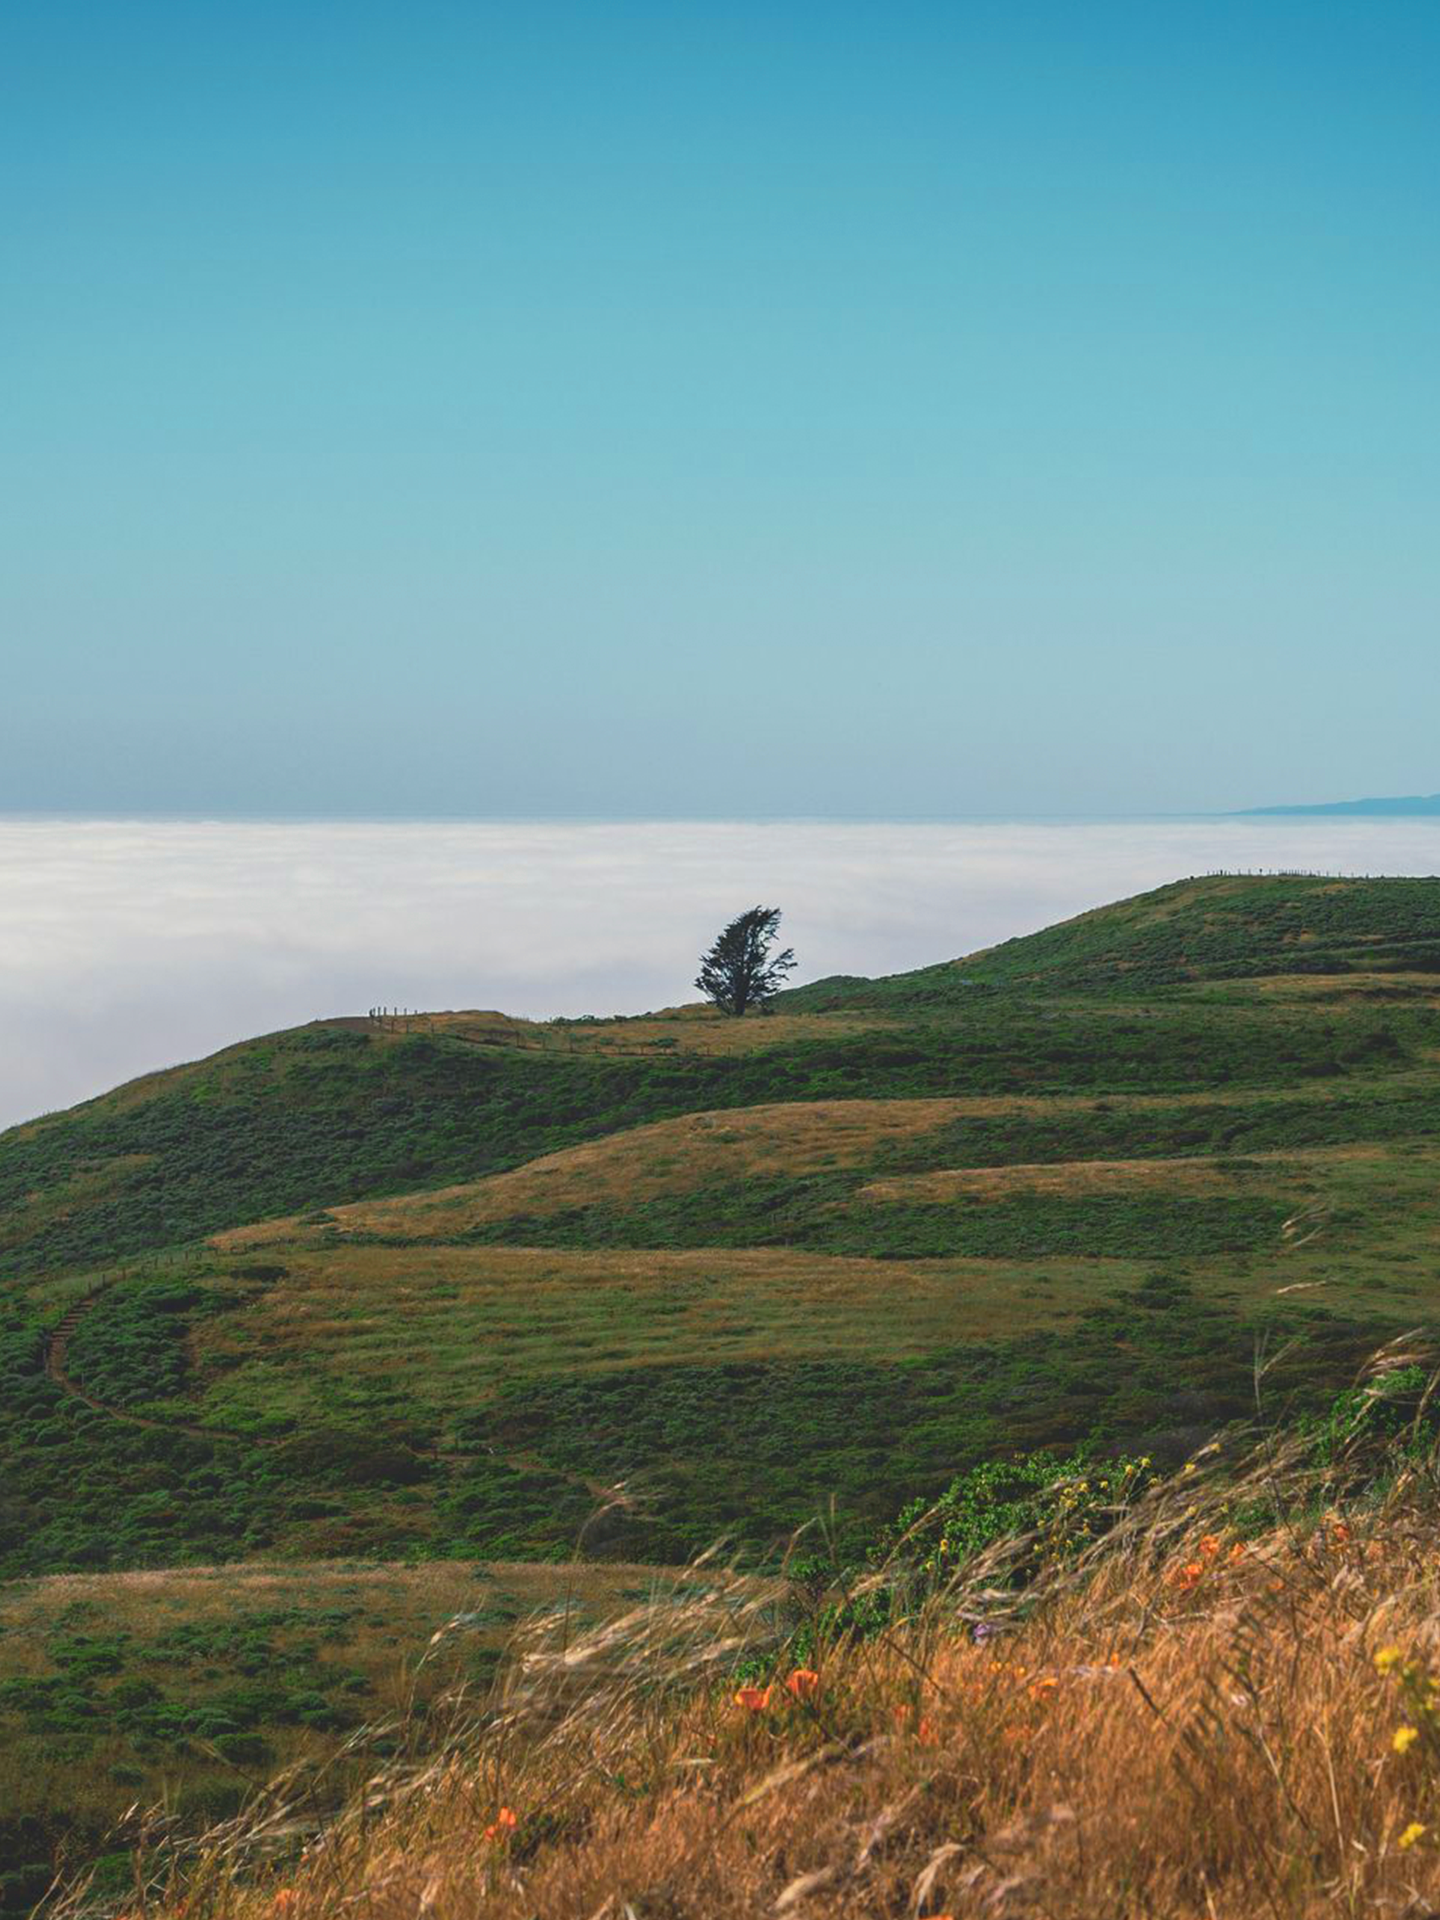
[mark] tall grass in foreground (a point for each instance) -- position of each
(1224, 1707)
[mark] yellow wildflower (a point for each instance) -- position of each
(1387, 1658)
(1415, 1831)
(1405, 1738)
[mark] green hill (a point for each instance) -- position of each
(822, 1232)
(425, 1291)
(341, 1109)
(1425, 805)
(1224, 927)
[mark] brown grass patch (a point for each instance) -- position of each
(1063, 1177)
(1313, 987)
(148, 1602)
(1187, 1175)
(688, 1029)
(364, 1622)
(451, 1322)
(669, 1156)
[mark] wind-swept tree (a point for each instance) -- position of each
(738, 971)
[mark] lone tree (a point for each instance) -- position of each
(738, 972)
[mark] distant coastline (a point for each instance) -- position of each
(1415, 805)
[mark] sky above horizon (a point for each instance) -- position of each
(678, 411)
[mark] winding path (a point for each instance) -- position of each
(57, 1345)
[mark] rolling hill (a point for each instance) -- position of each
(396, 1258)
(1423, 805)
(428, 1291)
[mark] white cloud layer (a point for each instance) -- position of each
(126, 946)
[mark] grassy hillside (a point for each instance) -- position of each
(198, 1683)
(1225, 1706)
(422, 1286)
(1222, 927)
(429, 1292)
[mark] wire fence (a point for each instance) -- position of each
(1296, 873)
(563, 1039)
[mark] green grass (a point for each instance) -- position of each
(127, 1350)
(329, 1388)
(193, 1686)
(1154, 1364)
(814, 1214)
(284, 1125)
(854, 1327)
(1348, 1114)
(1232, 928)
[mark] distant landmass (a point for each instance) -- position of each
(1415, 803)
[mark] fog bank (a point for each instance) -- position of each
(126, 946)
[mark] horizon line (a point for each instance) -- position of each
(215, 817)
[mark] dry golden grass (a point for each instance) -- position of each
(670, 1156)
(409, 1600)
(389, 1614)
(1185, 1724)
(1315, 987)
(451, 1322)
(1201, 1174)
(1060, 1177)
(688, 1029)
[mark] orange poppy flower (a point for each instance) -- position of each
(284, 1900)
(504, 1822)
(753, 1699)
(802, 1683)
(924, 1728)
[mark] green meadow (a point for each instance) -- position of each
(364, 1306)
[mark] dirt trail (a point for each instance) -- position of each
(57, 1346)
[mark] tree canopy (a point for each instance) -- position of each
(738, 971)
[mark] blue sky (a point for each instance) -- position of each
(640, 410)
